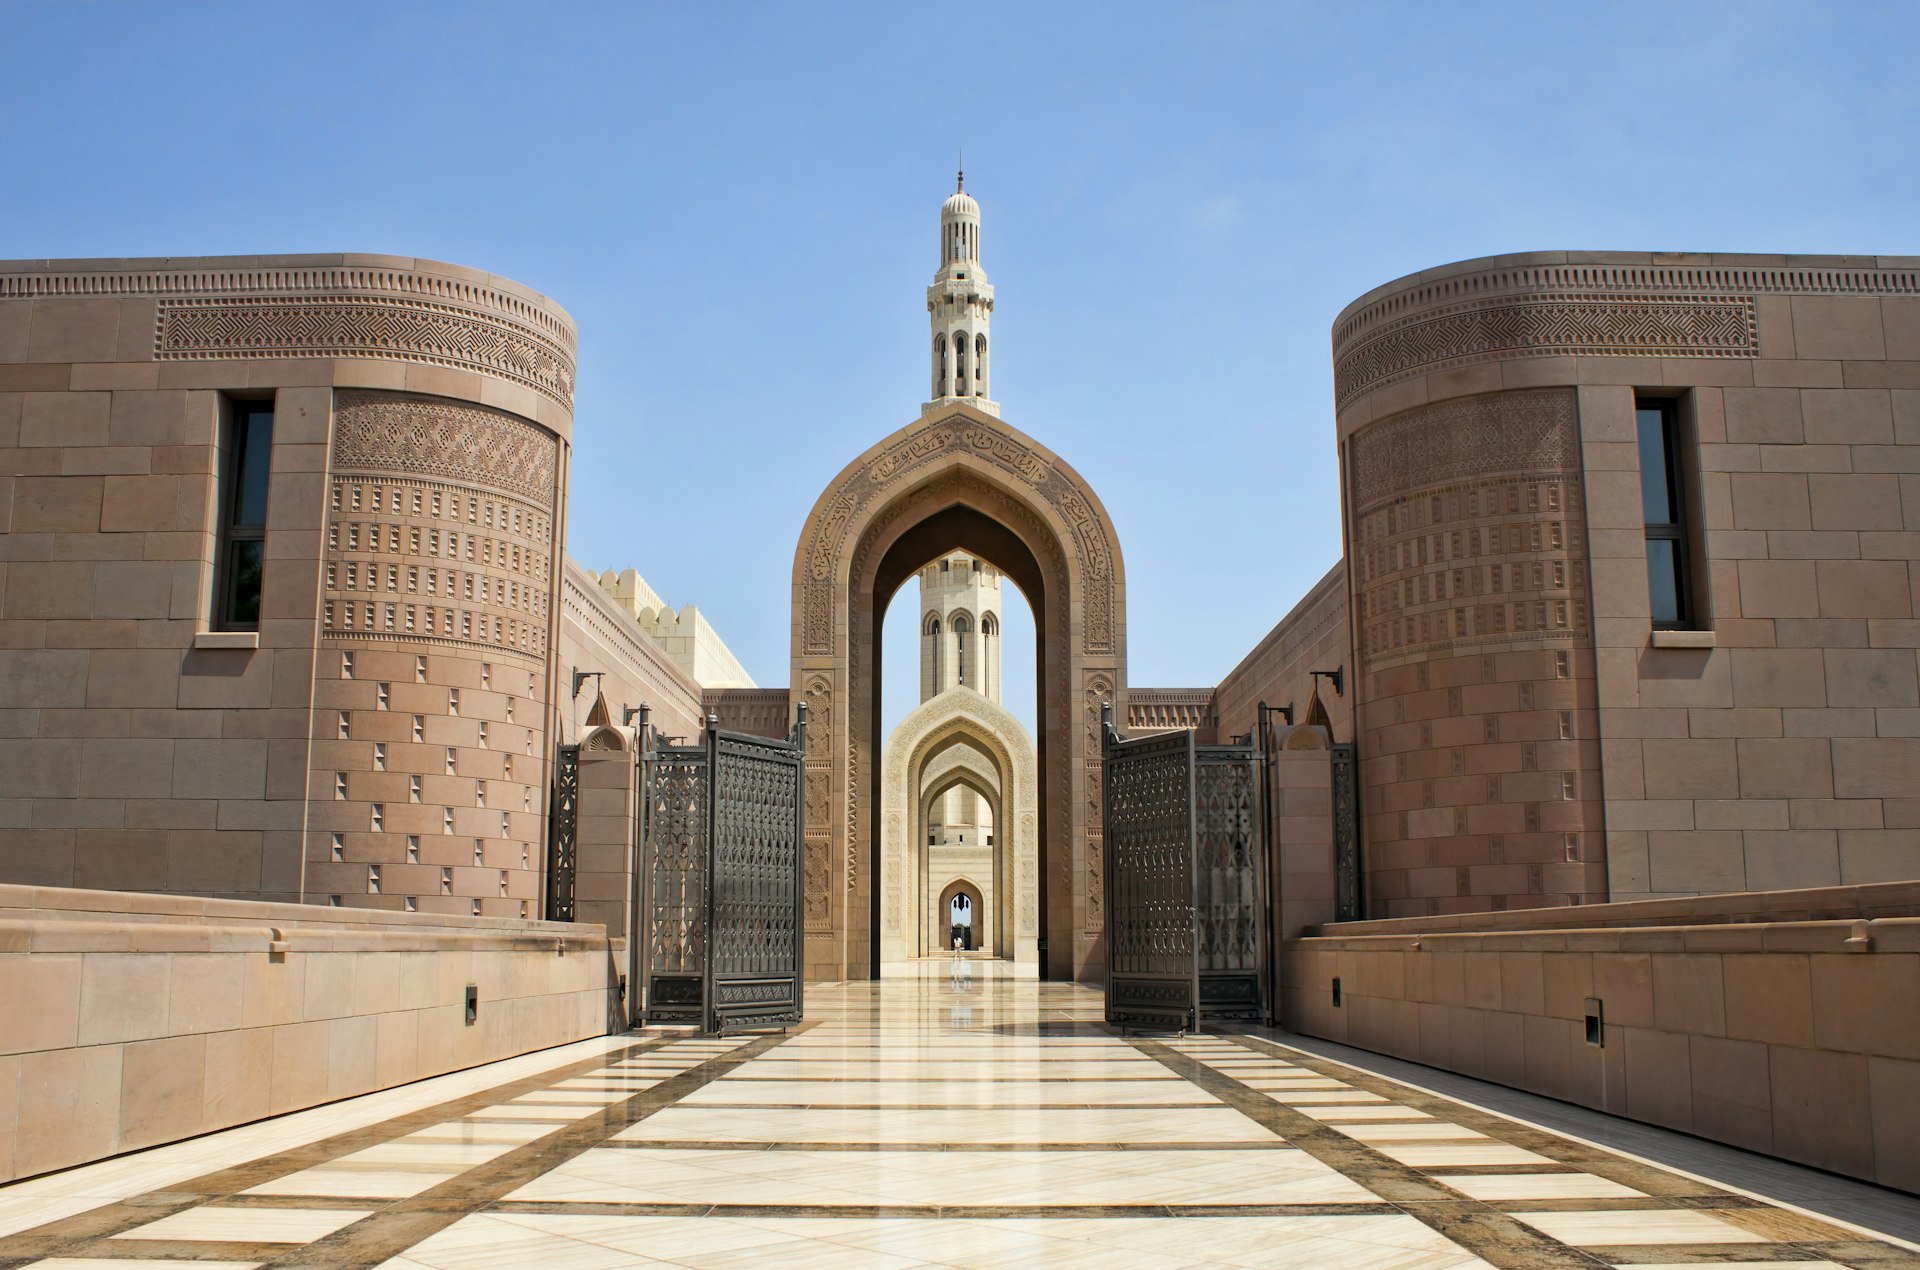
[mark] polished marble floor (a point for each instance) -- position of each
(937, 1121)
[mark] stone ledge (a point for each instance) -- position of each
(227, 640)
(1682, 639)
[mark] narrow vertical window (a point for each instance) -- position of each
(1662, 494)
(243, 515)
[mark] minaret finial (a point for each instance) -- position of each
(960, 180)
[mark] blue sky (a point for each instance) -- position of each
(738, 204)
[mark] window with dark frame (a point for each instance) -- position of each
(241, 555)
(1663, 496)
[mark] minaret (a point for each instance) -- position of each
(960, 647)
(960, 304)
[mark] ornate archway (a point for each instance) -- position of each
(959, 738)
(956, 479)
(961, 888)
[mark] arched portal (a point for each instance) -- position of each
(955, 480)
(959, 739)
(961, 900)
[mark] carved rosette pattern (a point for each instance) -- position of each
(1098, 690)
(1091, 542)
(817, 907)
(380, 329)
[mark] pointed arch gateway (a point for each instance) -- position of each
(957, 479)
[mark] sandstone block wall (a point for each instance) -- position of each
(1314, 635)
(1761, 1028)
(1526, 737)
(597, 633)
(409, 594)
(133, 1020)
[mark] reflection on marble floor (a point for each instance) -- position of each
(913, 1122)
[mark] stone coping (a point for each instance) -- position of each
(268, 274)
(1824, 903)
(1650, 271)
(1881, 935)
(44, 904)
(40, 932)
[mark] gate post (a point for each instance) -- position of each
(604, 847)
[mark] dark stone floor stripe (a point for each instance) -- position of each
(403, 1223)
(134, 1251)
(661, 1144)
(954, 1106)
(62, 1238)
(1478, 1228)
(1798, 1236)
(974, 1212)
(1581, 1155)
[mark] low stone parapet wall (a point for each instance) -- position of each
(129, 1020)
(1800, 1039)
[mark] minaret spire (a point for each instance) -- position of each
(960, 305)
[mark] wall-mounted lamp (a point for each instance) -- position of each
(1267, 711)
(1339, 676)
(628, 715)
(580, 677)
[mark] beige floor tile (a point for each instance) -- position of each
(1506, 1186)
(1426, 1131)
(349, 1182)
(1436, 1154)
(213, 1222)
(1665, 1226)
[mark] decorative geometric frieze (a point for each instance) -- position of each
(1088, 535)
(1543, 326)
(383, 432)
(1468, 528)
(1499, 433)
(382, 329)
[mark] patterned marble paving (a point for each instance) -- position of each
(909, 1124)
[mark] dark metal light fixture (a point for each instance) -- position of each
(1339, 676)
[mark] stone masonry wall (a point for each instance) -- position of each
(134, 1020)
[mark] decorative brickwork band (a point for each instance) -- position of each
(1542, 326)
(440, 525)
(1609, 304)
(1468, 528)
(382, 329)
(425, 436)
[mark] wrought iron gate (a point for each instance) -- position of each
(1186, 898)
(718, 925)
(755, 866)
(1347, 899)
(672, 911)
(1229, 884)
(563, 833)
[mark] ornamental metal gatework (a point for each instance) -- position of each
(1229, 884)
(563, 833)
(718, 926)
(1186, 917)
(1347, 898)
(756, 825)
(672, 935)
